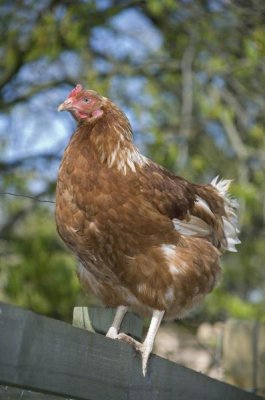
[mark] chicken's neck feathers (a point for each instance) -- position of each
(111, 139)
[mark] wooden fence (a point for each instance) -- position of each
(39, 354)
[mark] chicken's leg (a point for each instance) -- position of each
(114, 329)
(146, 347)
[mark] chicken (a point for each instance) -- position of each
(145, 239)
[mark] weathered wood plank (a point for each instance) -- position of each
(12, 393)
(46, 355)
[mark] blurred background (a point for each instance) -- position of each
(190, 76)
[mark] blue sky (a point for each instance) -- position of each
(35, 126)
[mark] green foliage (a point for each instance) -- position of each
(223, 304)
(201, 100)
(38, 271)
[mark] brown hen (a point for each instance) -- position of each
(145, 239)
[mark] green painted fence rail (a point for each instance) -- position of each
(39, 354)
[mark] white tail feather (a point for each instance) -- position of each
(230, 220)
(194, 227)
(197, 227)
(202, 203)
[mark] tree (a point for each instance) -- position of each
(189, 74)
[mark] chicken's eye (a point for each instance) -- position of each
(86, 100)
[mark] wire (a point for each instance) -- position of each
(27, 196)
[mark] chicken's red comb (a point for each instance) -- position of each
(76, 90)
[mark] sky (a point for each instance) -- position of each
(35, 127)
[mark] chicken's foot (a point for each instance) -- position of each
(114, 329)
(146, 347)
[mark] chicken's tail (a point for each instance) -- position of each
(230, 219)
(213, 216)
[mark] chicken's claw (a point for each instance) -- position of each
(142, 348)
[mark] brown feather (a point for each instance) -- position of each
(115, 209)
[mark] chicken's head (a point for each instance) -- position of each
(84, 105)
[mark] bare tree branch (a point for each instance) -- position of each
(36, 89)
(186, 104)
(232, 101)
(21, 53)
(234, 136)
(6, 166)
(187, 92)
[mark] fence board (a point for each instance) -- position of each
(12, 393)
(42, 354)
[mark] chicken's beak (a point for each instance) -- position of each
(65, 106)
